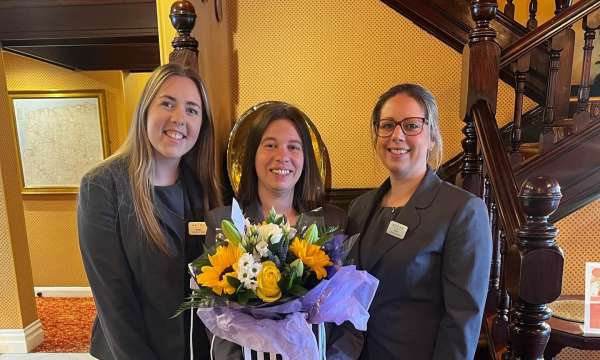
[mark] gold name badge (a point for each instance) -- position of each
(197, 228)
(397, 230)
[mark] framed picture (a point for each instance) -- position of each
(591, 320)
(59, 136)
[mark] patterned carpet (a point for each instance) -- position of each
(67, 324)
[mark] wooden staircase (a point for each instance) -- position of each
(557, 163)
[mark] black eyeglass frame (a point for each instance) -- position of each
(399, 123)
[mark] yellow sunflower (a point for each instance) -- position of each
(312, 256)
(224, 263)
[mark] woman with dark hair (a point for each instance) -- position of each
(279, 171)
(427, 241)
(133, 215)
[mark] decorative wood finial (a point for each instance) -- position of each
(183, 18)
(483, 11)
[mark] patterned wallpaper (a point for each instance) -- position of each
(333, 59)
(10, 314)
(50, 219)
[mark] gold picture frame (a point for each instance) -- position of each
(59, 136)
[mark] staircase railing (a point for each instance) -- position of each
(547, 30)
(520, 288)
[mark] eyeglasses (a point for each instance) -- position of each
(411, 126)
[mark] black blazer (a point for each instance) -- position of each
(432, 284)
(332, 216)
(136, 287)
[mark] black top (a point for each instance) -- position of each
(171, 197)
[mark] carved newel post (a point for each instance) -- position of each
(481, 59)
(185, 46)
(534, 269)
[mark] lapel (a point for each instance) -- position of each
(409, 216)
(193, 195)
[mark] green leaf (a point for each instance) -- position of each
(298, 290)
(200, 262)
(234, 282)
(242, 297)
(323, 239)
(284, 283)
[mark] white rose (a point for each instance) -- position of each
(269, 233)
(262, 248)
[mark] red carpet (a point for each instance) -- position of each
(67, 323)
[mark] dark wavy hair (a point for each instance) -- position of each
(309, 190)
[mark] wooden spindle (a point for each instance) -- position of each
(185, 46)
(565, 41)
(584, 87)
(500, 324)
(481, 60)
(495, 269)
(547, 135)
(561, 5)
(532, 22)
(582, 115)
(521, 70)
(509, 9)
(534, 269)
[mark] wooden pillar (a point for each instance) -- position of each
(20, 329)
(534, 269)
(480, 69)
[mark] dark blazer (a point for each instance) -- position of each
(136, 287)
(432, 283)
(331, 216)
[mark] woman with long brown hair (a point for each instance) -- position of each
(139, 218)
(279, 171)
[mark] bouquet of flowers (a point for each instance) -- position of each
(262, 285)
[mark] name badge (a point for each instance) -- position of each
(397, 230)
(197, 228)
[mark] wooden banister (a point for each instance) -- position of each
(548, 30)
(499, 170)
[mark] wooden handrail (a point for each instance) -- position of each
(499, 170)
(548, 30)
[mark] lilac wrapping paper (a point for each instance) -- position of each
(285, 328)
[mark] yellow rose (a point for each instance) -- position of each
(267, 289)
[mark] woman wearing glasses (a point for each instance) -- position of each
(427, 241)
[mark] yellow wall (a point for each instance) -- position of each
(18, 306)
(133, 85)
(332, 59)
(50, 219)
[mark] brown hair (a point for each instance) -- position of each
(426, 99)
(309, 190)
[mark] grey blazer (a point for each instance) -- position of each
(330, 216)
(136, 287)
(433, 283)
